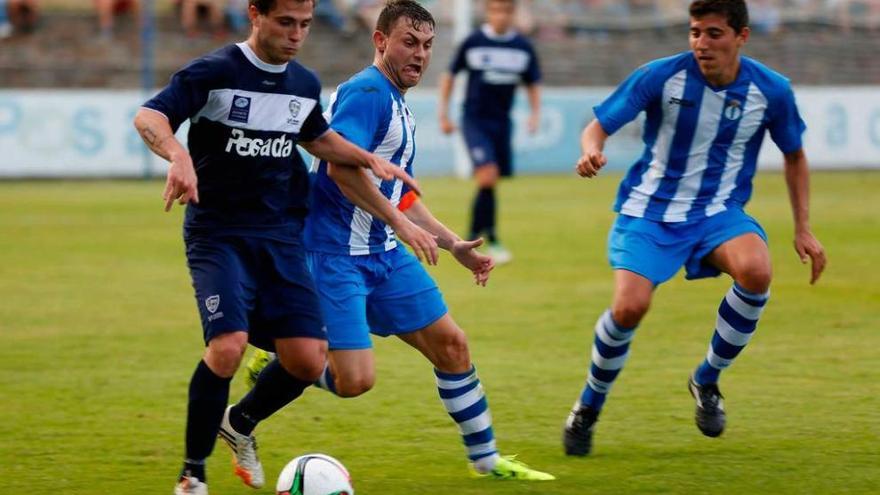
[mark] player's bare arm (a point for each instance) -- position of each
(592, 143)
(360, 190)
(797, 178)
(464, 251)
(181, 184)
(534, 93)
(334, 148)
(446, 83)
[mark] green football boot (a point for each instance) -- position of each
(259, 360)
(508, 468)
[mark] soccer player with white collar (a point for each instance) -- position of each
(497, 59)
(367, 282)
(246, 188)
(681, 203)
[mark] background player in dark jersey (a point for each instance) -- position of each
(246, 188)
(497, 59)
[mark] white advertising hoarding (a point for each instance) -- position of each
(89, 133)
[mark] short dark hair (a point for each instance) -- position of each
(266, 6)
(735, 11)
(395, 9)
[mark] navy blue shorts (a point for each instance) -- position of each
(488, 141)
(657, 250)
(262, 286)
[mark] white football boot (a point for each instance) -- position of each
(244, 454)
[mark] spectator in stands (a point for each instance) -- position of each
(367, 12)
(22, 14)
(334, 12)
(5, 25)
(766, 17)
(846, 10)
(213, 10)
(236, 15)
(109, 9)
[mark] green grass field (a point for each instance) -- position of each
(99, 336)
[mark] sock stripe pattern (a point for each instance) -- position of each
(327, 381)
(737, 320)
(465, 401)
(610, 351)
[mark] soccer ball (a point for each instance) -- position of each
(314, 474)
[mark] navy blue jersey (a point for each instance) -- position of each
(246, 117)
(701, 142)
(496, 64)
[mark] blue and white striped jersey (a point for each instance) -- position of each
(246, 117)
(496, 64)
(369, 111)
(701, 143)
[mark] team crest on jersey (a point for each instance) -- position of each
(212, 303)
(241, 109)
(295, 106)
(733, 110)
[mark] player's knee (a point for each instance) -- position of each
(756, 278)
(453, 353)
(307, 370)
(486, 176)
(629, 313)
(224, 354)
(353, 386)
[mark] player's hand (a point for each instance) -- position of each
(446, 125)
(182, 183)
(590, 163)
(533, 123)
(386, 170)
(808, 247)
(478, 263)
(423, 243)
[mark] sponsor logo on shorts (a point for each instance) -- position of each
(478, 153)
(212, 303)
(280, 147)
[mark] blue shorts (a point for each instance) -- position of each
(488, 141)
(262, 286)
(656, 250)
(384, 294)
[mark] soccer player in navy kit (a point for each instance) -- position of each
(497, 60)
(366, 281)
(246, 189)
(682, 202)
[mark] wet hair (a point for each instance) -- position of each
(395, 9)
(266, 6)
(735, 11)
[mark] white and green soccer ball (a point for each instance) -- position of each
(314, 474)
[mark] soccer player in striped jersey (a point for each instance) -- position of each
(246, 188)
(497, 60)
(681, 203)
(367, 282)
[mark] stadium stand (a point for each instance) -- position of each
(581, 42)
